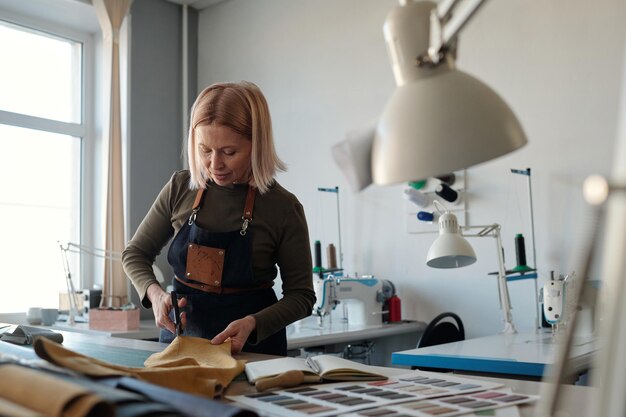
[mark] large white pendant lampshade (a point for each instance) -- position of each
(439, 119)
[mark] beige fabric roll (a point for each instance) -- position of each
(55, 397)
(188, 364)
(10, 409)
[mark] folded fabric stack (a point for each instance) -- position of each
(25, 335)
(33, 392)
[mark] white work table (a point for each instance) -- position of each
(371, 344)
(301, 334)
(147, 330)
(520, 354)
(307, 332)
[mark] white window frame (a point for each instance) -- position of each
(85, 129)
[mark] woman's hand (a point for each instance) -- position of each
(161, 306)
(238, 332)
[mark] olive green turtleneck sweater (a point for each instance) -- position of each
(280, 238)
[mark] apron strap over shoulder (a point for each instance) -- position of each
(196, 206)
(247, 210)
(198, 200)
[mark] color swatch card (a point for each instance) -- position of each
(449, 406)
(314, 400)
(420, 385)
(348, 397)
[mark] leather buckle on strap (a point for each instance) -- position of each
(247, 210)
(196, 206)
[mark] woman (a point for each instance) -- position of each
(232, 224)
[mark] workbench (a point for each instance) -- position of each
(128, 352)
(306, 334)
(519, 355)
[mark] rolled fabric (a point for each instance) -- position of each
(10, 409)
(187, 404)
(54, 397)
(25, 335)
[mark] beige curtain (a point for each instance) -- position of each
(111, 15)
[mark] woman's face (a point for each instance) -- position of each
(224, 153)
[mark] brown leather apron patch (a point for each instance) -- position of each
(205, 264)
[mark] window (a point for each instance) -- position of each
(41, 74)
(42, 159)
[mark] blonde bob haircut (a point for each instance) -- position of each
(242, 108)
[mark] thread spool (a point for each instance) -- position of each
(520, 250)
(447, 178)
(416, 197)
(447, 193)
(418, 185)
(318, 255)
(520, 255)
(331, 256)
(426, 216)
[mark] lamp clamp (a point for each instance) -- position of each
(429, 60)
(444, 30)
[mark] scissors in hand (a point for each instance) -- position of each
(177, 321)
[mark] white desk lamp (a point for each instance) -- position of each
(70, 247)
(451, 250)
(439, 119)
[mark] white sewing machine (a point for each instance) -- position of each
(362, 298)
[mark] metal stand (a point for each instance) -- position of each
(526, 172)
(503, 289)
(71, 290)
(336, 191)
(106, 254)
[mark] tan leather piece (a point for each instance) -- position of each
(195, 366)
(205, 264)
(196, 351)
(54, 397)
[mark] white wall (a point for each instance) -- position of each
(324, 69)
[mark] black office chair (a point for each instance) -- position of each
(438, 332)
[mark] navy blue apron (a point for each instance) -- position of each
(213, 271)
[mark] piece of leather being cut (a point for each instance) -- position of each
(196, 351)
(193, 366)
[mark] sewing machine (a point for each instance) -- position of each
(362, 298)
